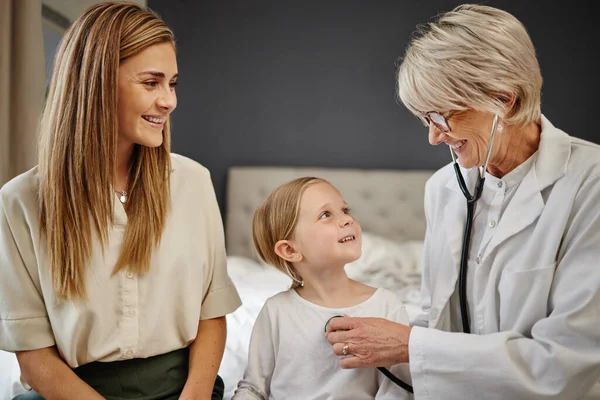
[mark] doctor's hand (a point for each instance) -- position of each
(370, 342)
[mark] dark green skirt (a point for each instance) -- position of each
(160, 377)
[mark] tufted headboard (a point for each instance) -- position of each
(388, 203)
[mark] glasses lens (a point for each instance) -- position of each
(439, 121)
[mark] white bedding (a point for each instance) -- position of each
(10, 384)
(383, 264)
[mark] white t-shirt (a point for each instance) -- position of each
(126, 316)
(290, 358)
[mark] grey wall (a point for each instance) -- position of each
(52, 36)
(311, 83)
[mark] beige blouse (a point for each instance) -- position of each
(126, 316)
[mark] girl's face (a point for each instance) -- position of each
(326, 233)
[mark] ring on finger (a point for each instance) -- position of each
(345, 349)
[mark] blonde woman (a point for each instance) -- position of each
(113, 280)
(526, 283)
(305, 229)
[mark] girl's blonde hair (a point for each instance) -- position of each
(275, 219)
(78, 148)
(473, 57)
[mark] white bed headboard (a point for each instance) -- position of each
(385, 202)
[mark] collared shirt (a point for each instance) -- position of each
(126, 316)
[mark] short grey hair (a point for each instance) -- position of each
(473, 57)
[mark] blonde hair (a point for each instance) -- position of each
(473, 57)
(78, 148)
(275, 219)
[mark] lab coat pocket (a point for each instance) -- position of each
(523, 298)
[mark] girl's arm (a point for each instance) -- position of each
(256, 384)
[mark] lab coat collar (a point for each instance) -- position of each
(553, 155)
(527, 204)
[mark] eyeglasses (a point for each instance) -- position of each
(438, 120)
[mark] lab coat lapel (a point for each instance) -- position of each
(527, 204)
(455, 214)
(454, 222)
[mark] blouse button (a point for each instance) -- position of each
(129, 274)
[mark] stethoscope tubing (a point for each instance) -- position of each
(471, 201)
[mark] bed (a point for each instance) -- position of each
(387, 203)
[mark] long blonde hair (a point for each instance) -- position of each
(275, 219)
(78, 148)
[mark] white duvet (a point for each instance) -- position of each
(395, 266)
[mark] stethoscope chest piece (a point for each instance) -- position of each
(327, 323)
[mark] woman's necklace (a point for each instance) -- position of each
(123, 197)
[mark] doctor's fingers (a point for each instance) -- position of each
(340, 324)
(340, 337)
(354, 329)
(354, 355)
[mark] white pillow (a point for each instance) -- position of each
(10, 374)
(394, 266)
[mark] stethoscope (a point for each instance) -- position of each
(464, 256)
(471, 200)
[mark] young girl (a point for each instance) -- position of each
(304, 228)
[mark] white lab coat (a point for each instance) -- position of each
(540, 325)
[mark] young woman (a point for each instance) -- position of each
(113, 278)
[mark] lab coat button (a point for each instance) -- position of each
(492, 224)
(478, 260)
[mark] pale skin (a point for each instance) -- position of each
(46, 372)
(376, 342)
(206, 353)
(146, 89)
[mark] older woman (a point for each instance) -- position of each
(113, 280)
(528, 287)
